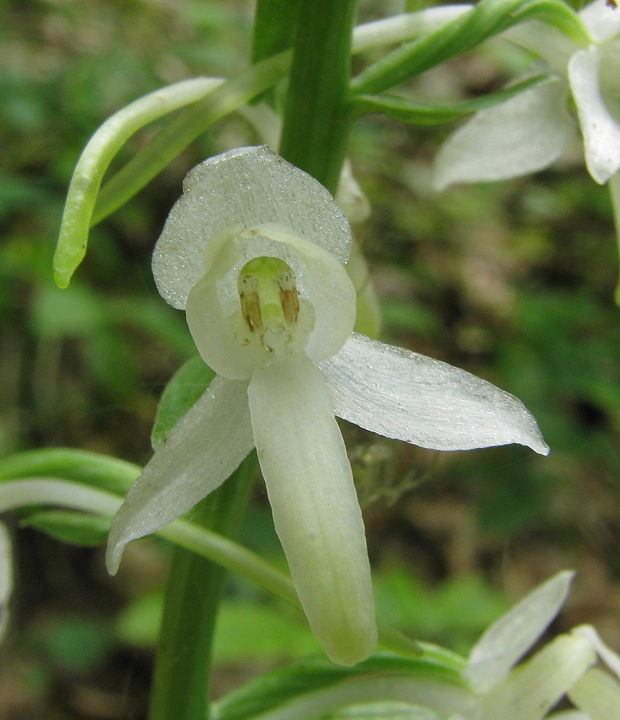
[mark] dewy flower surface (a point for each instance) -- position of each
(254, 251)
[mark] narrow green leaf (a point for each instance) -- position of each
(186, 386)
(87, 468)
(314, 674)
(97, 156)
(487, 18)
(409, 111)
(75, 528)
(184, 129)
(84, 208)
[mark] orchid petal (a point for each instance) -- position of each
(598, 695)
(606, 654)
(199, 453)
(404, 395)
(507, 640)
(315, 508)
(602, 20)
(601, 130)
(241, 189)
(522, 135)
(533, 688)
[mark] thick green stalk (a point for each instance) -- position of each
(273, 20)
(181, 683)
(316, 116)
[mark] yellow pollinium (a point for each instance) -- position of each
(269, 300)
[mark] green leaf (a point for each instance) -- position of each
(183, 390)
(75, 528)
(487, 18)
(189, 124)
(88, 468)
(409, 111)
(315, 674)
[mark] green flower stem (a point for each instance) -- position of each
(180, 687)
(273, 20)
(316, 116)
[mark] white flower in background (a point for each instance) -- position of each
(254, 251)
(532, 130)
(564, 667)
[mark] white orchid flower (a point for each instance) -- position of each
(565, 667)
(532, 129)
(254, 251)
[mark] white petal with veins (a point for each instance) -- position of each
(315, 508)
(408, 396)
(200, 452)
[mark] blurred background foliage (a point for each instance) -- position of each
(512, 281)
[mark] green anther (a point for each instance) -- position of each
(269, 299)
